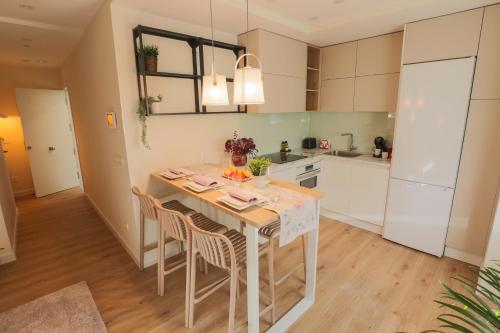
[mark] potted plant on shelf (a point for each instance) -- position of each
(150, 54)
(154, 104)
(260, 169)
(240, 148)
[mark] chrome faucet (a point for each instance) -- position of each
(351, 141)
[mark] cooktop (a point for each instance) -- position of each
(280, 158)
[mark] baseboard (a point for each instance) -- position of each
(7, 256)
(352, 221)
(113, 230)
(22, 193)
(469, 258)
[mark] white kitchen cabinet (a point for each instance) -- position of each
(445, 37)
(336, 184)
(338, 61)
(376, 93)
(282, 94)
(279, 55)
(354, 188)
(379, 55)
(284, 174)
(368, 192)
(487, 75)
(337, 95)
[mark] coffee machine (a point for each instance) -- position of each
(379, 146)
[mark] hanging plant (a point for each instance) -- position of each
(142, 113)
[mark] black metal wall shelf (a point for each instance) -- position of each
(197, 54)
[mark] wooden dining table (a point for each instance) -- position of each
(255, 218)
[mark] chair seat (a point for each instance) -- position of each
(178, 207)
(204, 223)
(270, 230)
(239, 242)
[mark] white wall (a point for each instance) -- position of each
(90, 73)
(8, 214)
(493, 247)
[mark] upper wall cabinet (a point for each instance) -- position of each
(338, 61)
(284, 67)
(487, 77)
(445, 37)
(376, 93)
(379, 55)
(337, 95)
(279, 55)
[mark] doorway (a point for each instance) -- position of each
(49, 139)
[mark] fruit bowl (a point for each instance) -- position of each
(238, 174)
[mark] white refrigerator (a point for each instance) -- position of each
(432, 114)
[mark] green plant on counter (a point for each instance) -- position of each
(149, 50)
(257, 164)
(478, 308)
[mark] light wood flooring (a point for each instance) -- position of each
(365, 283)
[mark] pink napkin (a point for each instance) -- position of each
(175, 171)
(243, 196)
(204, 180)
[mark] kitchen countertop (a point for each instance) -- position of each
(366, 158)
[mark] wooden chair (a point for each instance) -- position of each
(226, 251)
(148, 211)
(174, 224)
(271, 232)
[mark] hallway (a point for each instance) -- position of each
(365, 284)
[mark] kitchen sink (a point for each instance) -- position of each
(343, 153)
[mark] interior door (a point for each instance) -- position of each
(49, 139)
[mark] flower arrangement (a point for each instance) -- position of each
(240, 148)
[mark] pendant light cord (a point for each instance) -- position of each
(248, 29)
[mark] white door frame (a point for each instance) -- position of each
(75, 140)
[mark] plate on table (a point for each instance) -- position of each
(240, 204)
(201, 188)
(170, 175)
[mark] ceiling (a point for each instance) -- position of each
(320, 22)
(43, 32)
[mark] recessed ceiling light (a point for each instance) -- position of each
(313, 18)
(26, 6)
(337, 2)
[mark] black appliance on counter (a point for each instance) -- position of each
(379, 146)
(280, 158)
(309, 143)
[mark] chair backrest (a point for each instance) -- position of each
(213, 247)
(172, 222)
(147, 204)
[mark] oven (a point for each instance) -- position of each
(308, 175)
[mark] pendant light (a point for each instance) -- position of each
(214, 85)
(248, 85)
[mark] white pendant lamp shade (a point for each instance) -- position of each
(214, 89)
(248, 85)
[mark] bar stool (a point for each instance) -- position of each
(226, 251)
(173, 224)
(148, 211)
(272, 232)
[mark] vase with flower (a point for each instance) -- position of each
(240, 148)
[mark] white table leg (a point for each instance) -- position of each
(252, 234)
(310, 291)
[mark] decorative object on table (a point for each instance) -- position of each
(309, 143)
(260, 167)
(111, 120)
(214, 85)
(379, 146)
(248, 84)
(324, 144)
(285, 147)
(240, 148)
(235, 173)
(142, 112)
(477, 308)
(150, 55)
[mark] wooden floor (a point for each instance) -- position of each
(365, 284)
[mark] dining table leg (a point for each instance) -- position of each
(252, 234)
